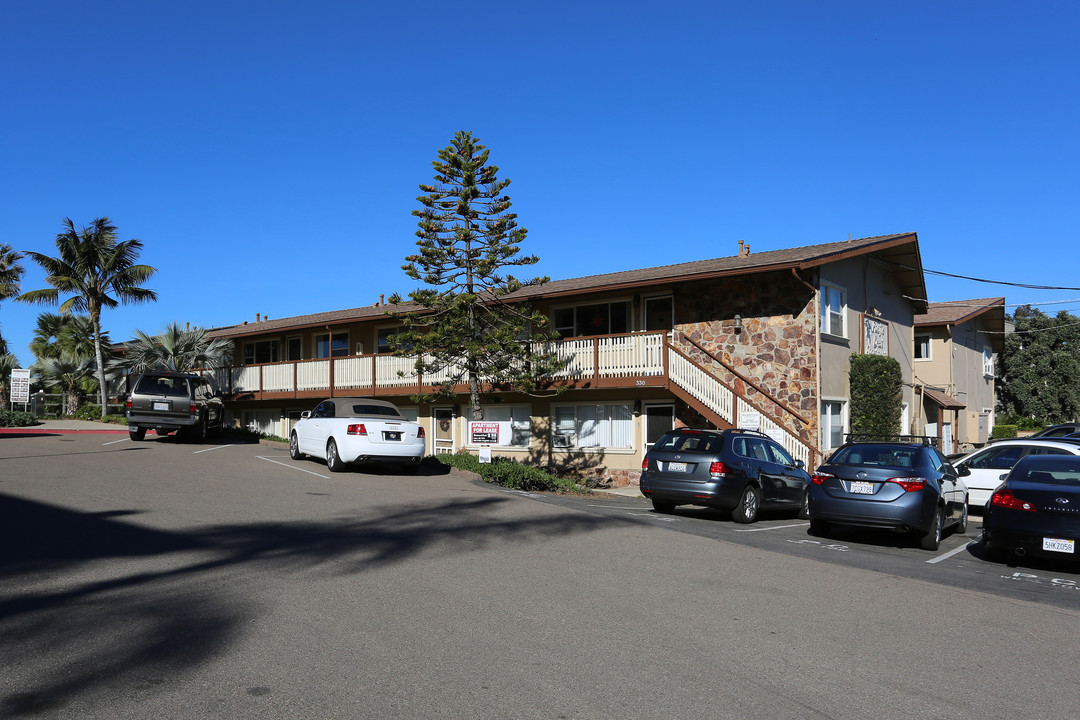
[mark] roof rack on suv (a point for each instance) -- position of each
(868, 437)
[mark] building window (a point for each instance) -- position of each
(833, 310)
(514, 424)
(340, 347)
(607, 318)
(988, 362)
(292, 349)
(593, 426)
(263, 351)
(382, 338)
(832, 423)
(922, 347)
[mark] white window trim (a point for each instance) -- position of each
(988, 361)
(628, 449)
(823, 315)
(929, 347)
(527, 409)
(844, 418)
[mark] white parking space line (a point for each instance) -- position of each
(773, 527)
(216, 447)
(952, 552)
(293, 467)
(113, 442)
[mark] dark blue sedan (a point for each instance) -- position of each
(1036, 511)
(906, 487)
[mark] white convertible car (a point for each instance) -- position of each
(357, 430)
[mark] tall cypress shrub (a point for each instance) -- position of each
(876, 395)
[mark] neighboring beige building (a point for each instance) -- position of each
(955, 350)
(760, 340)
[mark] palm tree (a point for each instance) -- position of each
(7, 364)
(74, 376)
(98, 272)
(55, 334)
(178, 349)
(10, 272)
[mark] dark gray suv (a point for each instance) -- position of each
(170, 402)
(737, 470)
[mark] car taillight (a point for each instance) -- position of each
(128, 404)
(357, 429)
(819, 478)
(717, 468)
(193, 409)
(910, 484)
(645, 464)
(1005, 499)
(420, 433)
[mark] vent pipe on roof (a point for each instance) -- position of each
(258, 317)
(744, 248)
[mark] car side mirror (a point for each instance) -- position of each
(963, 470)
(305, 415)
(800, 464)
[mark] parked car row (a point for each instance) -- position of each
(1028, 490)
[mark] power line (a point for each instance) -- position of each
(1029, 286)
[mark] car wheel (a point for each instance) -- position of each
(819, 528)
(747, 509)
(962, 526)
(663, 506)
(294, 447)
(333, 460)
(932, 540)
(804, 510)
(137, 434)
(202, 431)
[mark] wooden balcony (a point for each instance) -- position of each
(610, 361)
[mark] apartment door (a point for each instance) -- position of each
(444, 429)
(659, 418)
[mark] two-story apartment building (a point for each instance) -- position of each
(756, 340)
(956, 345)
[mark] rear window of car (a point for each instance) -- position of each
(877, 455)
(1050, 470)
(358, 410)
(689, 443)
(157, 385)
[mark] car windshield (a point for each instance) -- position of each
(689, 442)
(883, 455)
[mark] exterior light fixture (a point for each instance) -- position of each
(738, 323)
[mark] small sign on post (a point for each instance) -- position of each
(20, 385)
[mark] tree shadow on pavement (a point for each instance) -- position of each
(94, 603)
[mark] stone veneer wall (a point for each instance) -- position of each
(776, 348)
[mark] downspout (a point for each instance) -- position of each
(815, 294)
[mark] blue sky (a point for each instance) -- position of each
(268, 153)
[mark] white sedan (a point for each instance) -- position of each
(357, 430)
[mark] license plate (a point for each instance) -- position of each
(1059, 545)
(159, 405)
(676, 467)
(391, 435)
(861, 488)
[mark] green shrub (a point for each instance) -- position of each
(510, 473)
(1003, 431)
(876, 395)
(1023, 422)
(17, 418)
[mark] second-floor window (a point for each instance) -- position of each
(607, 318)
(338, 347)
(922, 347)
(261, 351)
(833, 310)
(988, 361)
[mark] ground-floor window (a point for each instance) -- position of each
(503, 425)
(832, 423)
(589, 426)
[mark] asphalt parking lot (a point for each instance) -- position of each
(172, 580)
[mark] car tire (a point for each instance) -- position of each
(819, 528)
(932, 540)
(663, 506)
(961, 527)
(804, 509)
(137, 434)
(202, 430)
(294, 447)
(749, 504)
(333, 460)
